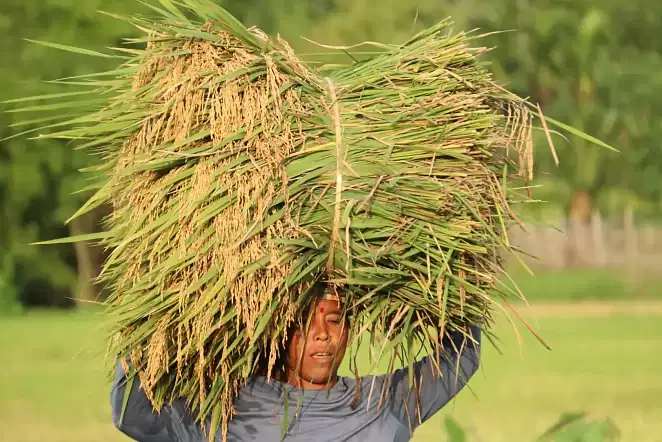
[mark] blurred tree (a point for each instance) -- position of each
(594, 65)
(349, 22)
(38, 178)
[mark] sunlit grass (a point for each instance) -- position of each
(54, 387)
(606, 366)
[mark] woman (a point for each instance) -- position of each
(322, 405)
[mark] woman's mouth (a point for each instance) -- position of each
(323, 355)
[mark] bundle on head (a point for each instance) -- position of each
(240, 176)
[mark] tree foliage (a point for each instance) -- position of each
(595, 64)
(38, 178)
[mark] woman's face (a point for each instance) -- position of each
(313, 358)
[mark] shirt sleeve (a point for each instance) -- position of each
(173, 423)
(434, 386)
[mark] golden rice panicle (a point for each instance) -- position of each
(239, 176)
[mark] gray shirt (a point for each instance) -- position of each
(319, 415)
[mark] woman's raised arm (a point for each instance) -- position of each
(173, 423)
(458, 362)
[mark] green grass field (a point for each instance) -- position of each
(586, 284)
(53, 386)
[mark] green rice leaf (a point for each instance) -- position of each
(71, 49)
(240, 175)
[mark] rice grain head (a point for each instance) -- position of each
(239, 176)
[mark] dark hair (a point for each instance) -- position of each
(261, 366)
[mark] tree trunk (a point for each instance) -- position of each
(650, 242)
(598, 239)
(630, 240)
(580, 211)
(90, 257)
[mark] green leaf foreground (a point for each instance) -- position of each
(218, 150)
(571, 427)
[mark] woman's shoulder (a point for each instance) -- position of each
(374, 383)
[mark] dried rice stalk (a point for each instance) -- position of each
(240, 176)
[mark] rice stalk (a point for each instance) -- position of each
(239, 176)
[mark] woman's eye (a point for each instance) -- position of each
(333, 319)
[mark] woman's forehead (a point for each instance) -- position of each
(327, 306)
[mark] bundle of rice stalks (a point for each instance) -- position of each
(239, 176)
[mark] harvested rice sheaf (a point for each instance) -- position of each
(240, 175)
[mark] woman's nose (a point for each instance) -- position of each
(320, 333)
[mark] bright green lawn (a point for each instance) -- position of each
(52, 384)
(586, 284)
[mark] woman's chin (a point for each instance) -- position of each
(320, 380)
